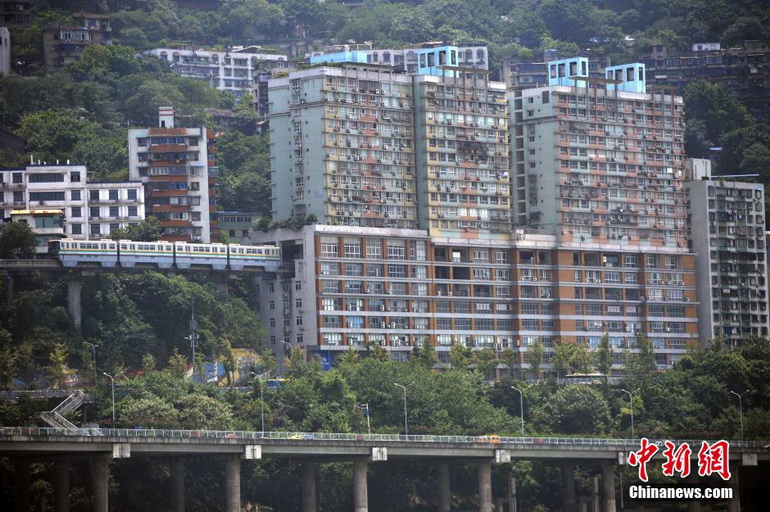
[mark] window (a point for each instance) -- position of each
(114, 211)
(133, 211)
(46, 196)
(132, 194)
(113, 195)
(95, 230)
(93, 212)
(77, 229)
(93, 195)
(75, 195)
(76, 211)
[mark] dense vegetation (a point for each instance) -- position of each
(138, 324)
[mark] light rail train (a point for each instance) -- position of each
(182, 255)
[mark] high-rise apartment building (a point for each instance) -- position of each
(461, 136)
(600, 160)
(728, 236)
(357, 144)
(587, 238)
(342, 146)
(179, 172)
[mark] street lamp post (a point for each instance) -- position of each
(521, 408)
(261, 401)
(112, 381)
(365, 408)
(406, 423)
(631, 401)
(740, 407)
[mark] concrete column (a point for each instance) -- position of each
(444, 491)
(99, 475)
(569, 503)
(360, 492)
(734, 504)
(177, 485)
(233, 484)
(485, 487)
(608, 487)
(693, 505)
(8, 288)
(21, 482)
(308, 487)
(74, 286)
(61, 485)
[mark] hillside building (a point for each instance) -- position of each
(178, 169)
(63, 44)
(728, 235)
(91, 210)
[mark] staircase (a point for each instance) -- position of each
(56, 419)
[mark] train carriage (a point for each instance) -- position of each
(72, 253)
(242, 256)
(213, 255)
(158, 253)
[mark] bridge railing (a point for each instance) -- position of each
(240, 436)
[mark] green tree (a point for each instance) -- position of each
(603, 355)
(148, 230)
(535, 353)
(17, 241)
(571, 358)
(578, 409)
(58, 371)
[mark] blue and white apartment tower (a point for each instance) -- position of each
(568, 71)
(435, 61)
(632, 77)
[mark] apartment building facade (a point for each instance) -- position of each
(349, 287)
(728, 234)
(178, 169)
(91, 210)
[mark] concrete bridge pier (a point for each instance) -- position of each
(177, 485)
(99, 476)
(360, 492)
(74, 306)
(608, 487)
(61, 485)
(484, 473)
(734, 504)
(569, 502)
(21, 481)
(444, 491)
(233, 484)
(693, 505)
(308, 487)
(8, 288)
